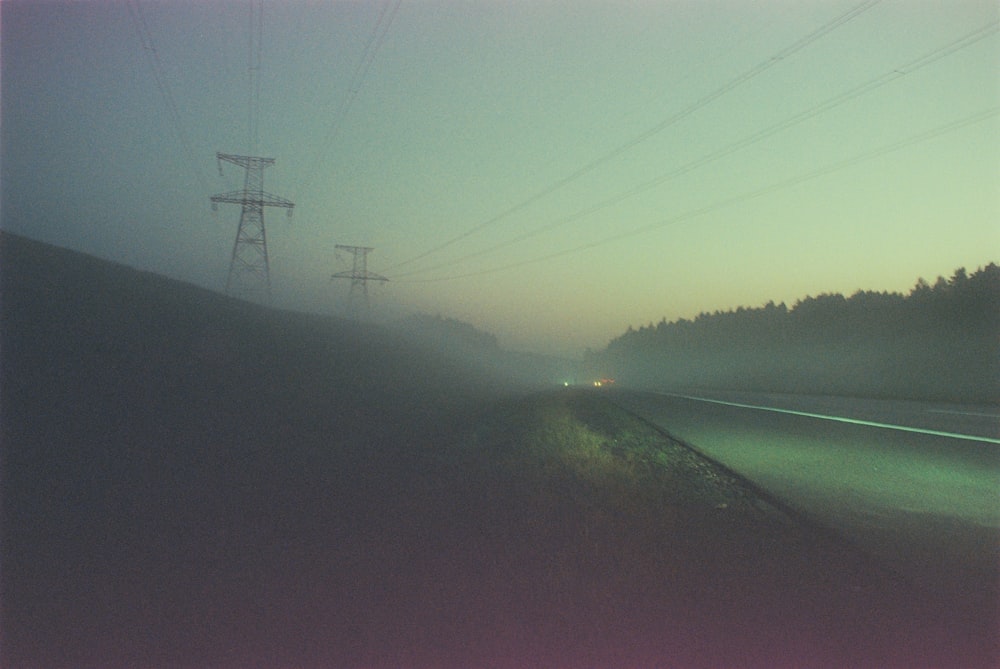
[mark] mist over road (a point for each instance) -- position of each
(913, 483)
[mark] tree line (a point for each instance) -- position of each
(939, 341)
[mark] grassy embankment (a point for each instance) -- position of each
(189, 481)
(646, 551)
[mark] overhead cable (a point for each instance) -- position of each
(666, 123)
(825, 106)
(736, 199)
(255, 39)
(371, 48)
(162, 84)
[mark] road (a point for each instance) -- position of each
(917, 484)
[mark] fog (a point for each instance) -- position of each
(934, 343)
(388, 451)
(544, 174)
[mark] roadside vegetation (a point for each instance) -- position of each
(575, 443)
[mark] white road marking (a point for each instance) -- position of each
(978, 414)
(841, 419)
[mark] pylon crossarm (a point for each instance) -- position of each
(367, 276)
(243, 197)
(243, 161)
(233, 197)
(275, 201)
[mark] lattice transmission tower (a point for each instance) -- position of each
(249, 270)
(359, 276)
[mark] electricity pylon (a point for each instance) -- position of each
(249, 270)
(359, 276)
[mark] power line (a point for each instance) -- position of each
(375, 40)
(736, 199)
(825, 106)
(162, 84)
(663, 125)
(255, 39)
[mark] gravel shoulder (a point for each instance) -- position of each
(694, 565)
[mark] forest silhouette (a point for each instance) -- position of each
(939, 342)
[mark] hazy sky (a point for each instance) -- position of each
(550, 171)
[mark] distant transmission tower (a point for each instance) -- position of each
(359, 276)
(249, 271)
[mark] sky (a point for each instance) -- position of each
(550, 171)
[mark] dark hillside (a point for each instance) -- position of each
(134, 337)
(149, 426)
(462, 341)
(190, 481)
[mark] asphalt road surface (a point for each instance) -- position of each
(916, 484)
